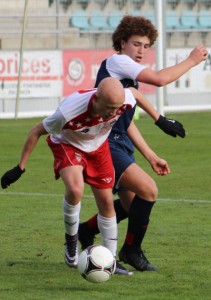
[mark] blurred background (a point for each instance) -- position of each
(56, 46)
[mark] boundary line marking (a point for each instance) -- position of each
(88, 196)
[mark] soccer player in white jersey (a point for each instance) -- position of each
(78, 132)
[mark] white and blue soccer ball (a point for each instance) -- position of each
(96, 264)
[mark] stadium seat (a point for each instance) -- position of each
(119, 3)
(189, 20)
(205, 19)
(79, 19)
(205, 2)
(83, 3)
(172, 3)
(189, 2)
(114, 18)
(135, 13)
(98, 21)
(137, 3)
(150, 14)
(172, 20)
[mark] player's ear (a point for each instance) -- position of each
(122, 43)
(95, 98)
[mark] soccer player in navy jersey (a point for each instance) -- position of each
(137, 191)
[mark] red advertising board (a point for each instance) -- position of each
(148, 61)
(80, 68)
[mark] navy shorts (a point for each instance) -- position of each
(122, 159)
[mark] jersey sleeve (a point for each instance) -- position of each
(54, 123)
(122, 66)
(129, 98)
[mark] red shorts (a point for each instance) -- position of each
(98, 170)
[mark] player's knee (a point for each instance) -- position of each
(154, 192)
(106, 208)
(151, 192)
(74, 194)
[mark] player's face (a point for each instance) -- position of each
(105, 109)
(136, 47)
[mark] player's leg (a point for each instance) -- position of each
(106, 221)
(139, 203)
(106, 218)
(74, 185)
(121, 160)
(69, 167)
(89, 229)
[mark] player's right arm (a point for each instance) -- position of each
(14, 174)
(30, 143)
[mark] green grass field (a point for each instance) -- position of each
(178, 240)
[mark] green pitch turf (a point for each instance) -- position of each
(178, 240)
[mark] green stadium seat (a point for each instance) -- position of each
(189, 20)
(150, 15)
(114, 19)
(80, 20)
(83, 3)
(135, 13)
(191, 2)
(205, 19)
(137, 3)
(205, 2)
(99, 21)
(172, 3)
(172, 20)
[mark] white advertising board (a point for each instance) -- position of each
(197, 80)
(41, 74)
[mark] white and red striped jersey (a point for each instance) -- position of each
(72, 122)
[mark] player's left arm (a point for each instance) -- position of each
(159, 165)
(169, 126)
(172, 73)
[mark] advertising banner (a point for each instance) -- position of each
(47, 74)
(81, 66)
(80, 69)
(41, 74)
(197, 80)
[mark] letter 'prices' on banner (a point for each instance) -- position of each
(41, 74)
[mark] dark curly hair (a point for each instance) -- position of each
(133, 25)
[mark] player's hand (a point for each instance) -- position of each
(170, 126)
(11, 176)
(160, 166)
(198, 54)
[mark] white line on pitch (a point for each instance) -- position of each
(90, 196)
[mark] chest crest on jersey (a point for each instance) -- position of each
(78, 157)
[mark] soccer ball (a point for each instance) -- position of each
(96, 264)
